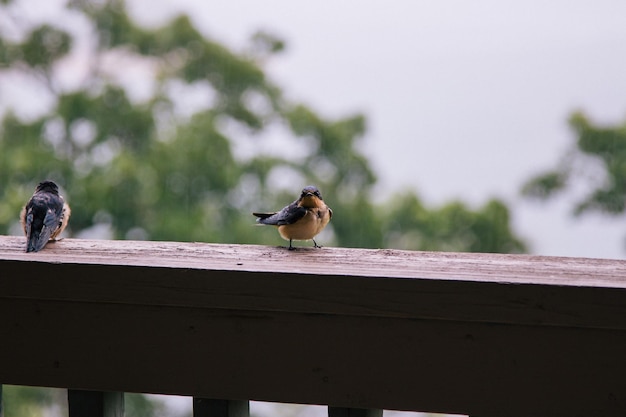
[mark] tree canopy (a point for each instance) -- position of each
(156, 167)
(596, 163)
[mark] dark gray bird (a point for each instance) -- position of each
(301, 220)
(44, 217)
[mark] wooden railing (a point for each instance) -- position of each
(358, 330)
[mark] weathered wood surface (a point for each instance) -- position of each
(481, 334)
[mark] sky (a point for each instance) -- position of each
(464, 100)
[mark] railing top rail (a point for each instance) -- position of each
(482, 334)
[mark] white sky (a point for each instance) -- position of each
(464, 100)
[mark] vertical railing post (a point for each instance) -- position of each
(205, 407)
(95, 403)
(354, 412)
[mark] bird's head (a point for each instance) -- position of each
(310, 197)
(47, 186)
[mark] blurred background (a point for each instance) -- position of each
(450, 126)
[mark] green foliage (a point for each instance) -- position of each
(113, 115)
(29, 401)
(39, 402)
(138, 405)
(544, 185)
(595, 146)
(145, 170)
(453, 227)
(44, 46)
(266, 43)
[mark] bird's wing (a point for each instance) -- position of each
(288, 215)
(53, 219)
(34, 239)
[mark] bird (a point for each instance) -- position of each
(301, 220)
(44, 216)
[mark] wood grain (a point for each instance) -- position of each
(478, 334)
(501, 268)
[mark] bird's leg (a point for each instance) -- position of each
(315, 245)
(290, 246)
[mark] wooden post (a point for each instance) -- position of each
(95, 403)
(205, 407)
(353, 412)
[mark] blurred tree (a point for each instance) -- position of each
(453, 227)
(596, 166)
(158, 168)
(139, 405)
(39, 402)
(31, 401)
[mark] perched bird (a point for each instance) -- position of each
(44, 217)
(301, 220)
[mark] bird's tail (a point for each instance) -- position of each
(263, 215)
(37, 240)
(33, 243)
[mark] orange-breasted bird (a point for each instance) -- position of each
(44, 217)
(301, 220)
